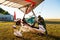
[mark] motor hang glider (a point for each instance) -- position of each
(25, 6)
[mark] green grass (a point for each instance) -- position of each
(6, 32)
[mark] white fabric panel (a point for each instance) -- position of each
(1, 1)
(23, 9)
(18, 5)
(14, 4)
(10, 4)
(6, 2)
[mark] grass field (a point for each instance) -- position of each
(6, 32)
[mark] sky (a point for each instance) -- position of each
(47, 9)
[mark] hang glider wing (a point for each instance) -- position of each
(21, 4)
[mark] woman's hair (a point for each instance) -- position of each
(18, 22)
(39, 16)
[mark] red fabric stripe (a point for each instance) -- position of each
(31, 6)
(28, 0)
(14, 15)
(33, 3)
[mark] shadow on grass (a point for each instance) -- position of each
(56, 38)
(52, 22)
(50, 36)
(40, 37)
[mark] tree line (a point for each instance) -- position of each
(3, 12)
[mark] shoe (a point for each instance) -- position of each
(18, 34)
(46, 33)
